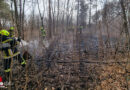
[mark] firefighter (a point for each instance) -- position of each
(10, 51)
(11, 31)
(43, 32)
(1, 83)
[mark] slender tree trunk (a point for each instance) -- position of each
(12, 14)
(17, 19)
(90, 13)
(50, 21)
(125, 23)
(101, 46)
(33, 21)
(67, 16)
(58, 8)
(42, 24)
(20, 16)
(53, 19)
(23, 19)
(0, 26)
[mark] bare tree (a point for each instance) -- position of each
(83, 13)
(125, 23)
(50, 20)
(17, 18)
(90, 8)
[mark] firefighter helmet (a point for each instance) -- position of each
(4, 32)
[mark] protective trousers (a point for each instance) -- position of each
(17, 56)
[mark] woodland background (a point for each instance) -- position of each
(86, 47)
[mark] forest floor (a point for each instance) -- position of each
(75, 75)
(63, 67)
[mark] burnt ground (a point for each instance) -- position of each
(74, 75)
(65, 68)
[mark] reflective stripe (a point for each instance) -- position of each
(11, 55)
(10, 52)
(43, 32)
(13, 36)
(5, 45)
(7, 40)
(7, 57)
(24, 62)
(7, 70)
(11, 28)
(16, 54)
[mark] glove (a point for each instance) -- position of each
(19, 39)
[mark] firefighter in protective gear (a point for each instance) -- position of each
(11, 30)
(12, 34)
(1, 83)
(9, 49)
(43, 32)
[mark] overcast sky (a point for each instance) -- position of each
(44, 5)
(30, 4)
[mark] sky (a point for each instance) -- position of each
(44, 5)
(31, 5)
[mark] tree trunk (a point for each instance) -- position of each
(50, 21)
(17, 19)
(125, 23)
(23, 19)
